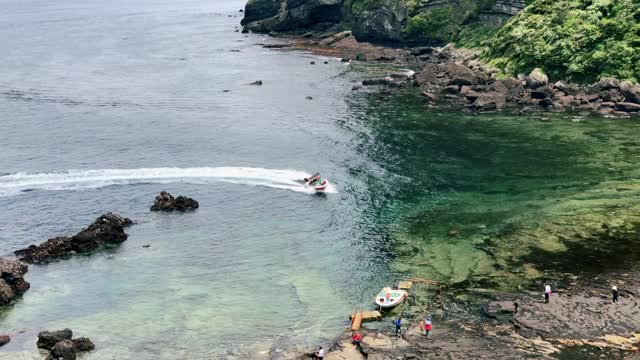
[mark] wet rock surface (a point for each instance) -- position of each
(63, 350)
(12, 282)
(106, 229)
(166, 202)
(47, 339)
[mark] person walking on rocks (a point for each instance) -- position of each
(615, 294)
(398, 324)
(427, 326)
(547, 293)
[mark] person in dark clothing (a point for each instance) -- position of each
(398, 324)
(615, 294)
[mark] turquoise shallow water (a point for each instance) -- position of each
(107, 104)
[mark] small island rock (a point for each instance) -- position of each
(166, 202)
(47, 339)
(107, 229)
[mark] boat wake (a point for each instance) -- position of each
(14, 184)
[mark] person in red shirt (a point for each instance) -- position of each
(356, 339)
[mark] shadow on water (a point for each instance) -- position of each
(611, 250)
(485, 176)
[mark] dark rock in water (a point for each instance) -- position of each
(4, 340)
(84, 344)
(628, 107)
(259, 82)
(12, 282)
(241, 10)
(245, 31)
(63, 350)
(309, 98)
(326, 62)
(146, 245)
(107, 229)
(345, 60)
(543, 92)
(47, 339)
(356, 87)
(166, 202)
(312, 63)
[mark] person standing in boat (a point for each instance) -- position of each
(398, 324)
(615, 295)
(547, 293)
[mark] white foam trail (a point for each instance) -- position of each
(13, 184)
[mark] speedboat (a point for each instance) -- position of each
(388, 298)
(316, 182)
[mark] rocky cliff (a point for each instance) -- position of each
(431, 22)
(293, 16)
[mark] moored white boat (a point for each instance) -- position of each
(388, 298)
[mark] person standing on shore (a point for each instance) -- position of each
(356, 339)
(615, 294)
(427, 326)
(547, 293)
(319, 354)
(398, 324)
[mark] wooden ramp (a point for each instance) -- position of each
(357, 317)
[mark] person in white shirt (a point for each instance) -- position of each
(319, 354)
(547, 293)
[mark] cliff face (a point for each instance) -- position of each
(398, 21)
(291, 15)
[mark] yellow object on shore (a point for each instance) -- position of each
(405, 285)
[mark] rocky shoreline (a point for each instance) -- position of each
(581, 321)
(456, 78)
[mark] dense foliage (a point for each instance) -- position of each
(580, 40)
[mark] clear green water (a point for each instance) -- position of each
(264, 265)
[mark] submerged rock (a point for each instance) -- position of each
(166, 202)
(107, 229)
(12, 282)
(47, 339)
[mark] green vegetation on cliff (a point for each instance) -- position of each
(580, 40)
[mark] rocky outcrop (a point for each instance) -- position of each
(107, 229)
(166, 202)
(47, 339)
(380, 23)
(12, 282)
(291, 15)
(61, 345)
